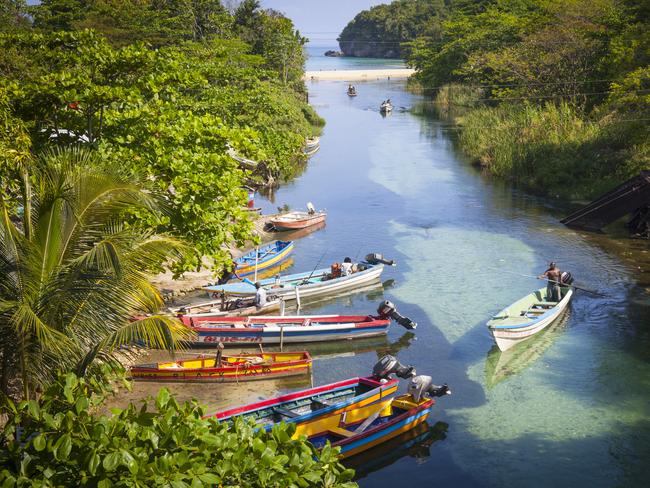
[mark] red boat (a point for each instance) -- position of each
(298, 220)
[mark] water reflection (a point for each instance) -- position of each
(415, 444)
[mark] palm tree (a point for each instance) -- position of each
(73, 271)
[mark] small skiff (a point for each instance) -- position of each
(297, 220)
(312, 145)
(242, 367)
(526, 317)
(263, 257)
(385, 107)
(306, 405)
(362, 428)
(307, 284)
(232, 306)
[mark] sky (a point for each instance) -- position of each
(321, 20)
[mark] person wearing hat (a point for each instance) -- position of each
(260, 296)
(553, 275)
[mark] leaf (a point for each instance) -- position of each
(93, 463)
(162, 398)
(39, 442)
(62, 447)
(112, 461)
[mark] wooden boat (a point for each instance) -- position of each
(364, 427)
(385, 107)
(232, 306)
(307, 284)
(263, 257)
(269, 329)
(526, 317)
(297, 220)
(242, 367)
(306, 405)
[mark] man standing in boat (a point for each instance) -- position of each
(260, 296)
(554, 276)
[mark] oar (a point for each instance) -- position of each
(559, 283)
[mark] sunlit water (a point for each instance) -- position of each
(569, 409)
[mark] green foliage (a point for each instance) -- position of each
(73, 274)
(380, 31)
(60, 441)
(13, 15)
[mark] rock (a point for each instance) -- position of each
(333, 54)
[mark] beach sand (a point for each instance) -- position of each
(359, 74)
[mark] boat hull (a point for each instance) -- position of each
(341, 397)
(197, 317)
(290, 287)
(234, 333)
(507, 335)
(281, 224)
(247, 265)
(203, 370)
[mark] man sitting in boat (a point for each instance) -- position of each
(260, 296)
(553, 275)
(346, 267)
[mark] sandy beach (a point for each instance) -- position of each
(359, 74)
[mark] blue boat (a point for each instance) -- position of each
(262, 258)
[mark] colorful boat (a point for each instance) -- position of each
(307, 405)
(364, 427)
(226, 369)
(307, 284)
(297, 220)
(230, 306)
(263, 257)
(526, 317)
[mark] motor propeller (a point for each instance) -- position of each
(388, 365)
(388, 310)
(422, 386)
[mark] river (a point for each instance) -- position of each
(570, 408)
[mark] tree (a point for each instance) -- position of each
(13, 15)
(73, 273)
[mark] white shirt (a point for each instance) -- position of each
(260, 297)
(346, 269)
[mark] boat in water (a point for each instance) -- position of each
(526, 317)
(309, 284)
(269, 329)
(262, 258)
(352, 91)
(226, 368)
(225, 306)
(298, 219)
(386, 107)
(312, 145)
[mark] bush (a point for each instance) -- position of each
(60, 441)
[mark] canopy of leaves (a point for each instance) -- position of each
(59, 441)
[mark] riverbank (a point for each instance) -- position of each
(358, 74)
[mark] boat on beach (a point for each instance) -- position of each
(526, 317)
(308, 284)
(269, 329)
(227, 368)
(262, 258)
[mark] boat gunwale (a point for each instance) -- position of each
(531, 323)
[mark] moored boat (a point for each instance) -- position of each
(311, 404)
(308, 284)
(312, 145)
(526, 317)
(297, 220)
(231, 306)
(227, 368)
(270, 329)
(263, 257)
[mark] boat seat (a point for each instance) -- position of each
(319, 403)
(544, 304)
(285, 412)
(341, 432)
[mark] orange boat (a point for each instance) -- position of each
(225, 369)
(298, 219)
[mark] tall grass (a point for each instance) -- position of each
(552, 149)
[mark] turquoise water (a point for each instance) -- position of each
(317, 61)
(570, 409)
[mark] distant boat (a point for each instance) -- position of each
(241, 367)
(298, 219)
(385, 107)
(312, 145)
(352, 92)
(263, 257)
(526, 317)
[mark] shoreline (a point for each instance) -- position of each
(358, 74)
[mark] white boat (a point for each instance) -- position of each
(385, 107)
(526, 317)
(301, 285)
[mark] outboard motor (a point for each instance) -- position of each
(422, 386)
(376, 258)
(387, 310)
(388, 365)
(566, 278)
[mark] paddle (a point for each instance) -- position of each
(561, 284)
